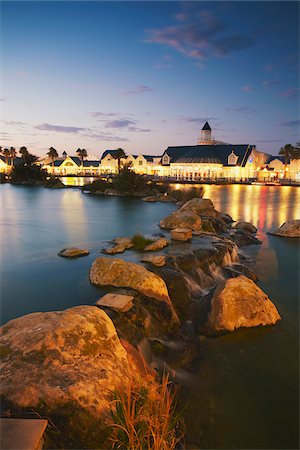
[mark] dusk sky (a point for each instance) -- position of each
(147, 75)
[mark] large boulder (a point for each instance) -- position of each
(181, 219)
(55, 358)
(288, 229)
(238, 302)
(197, 205)
(73, 252)
(181, 234)
(246, 226)
(118, 273)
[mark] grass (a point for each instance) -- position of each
(143, 417)
(140, 242)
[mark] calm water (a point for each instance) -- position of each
(243, 393)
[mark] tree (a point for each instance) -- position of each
(296, 153)
(52, 154)
(24, 152)
(6, 154)
(287, 151)
(119, 154)
(82, 153)
(12, 154)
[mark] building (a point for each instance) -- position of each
(142, 164)
(71, 165)
(6, 164)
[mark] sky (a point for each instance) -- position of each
(147, 75)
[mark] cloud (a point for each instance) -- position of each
(270, 83)
(140, 130)
(101, 114)
(58, 128)
(138, 90)
(14, 123)
(119, 123)
(247, 88)
(290, 93)
(3, 99)
(289, 123)
(202, 39)
(197, 120)
(104, 137)
(241, 109)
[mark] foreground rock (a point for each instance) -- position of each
(60, 357)
(242, 238)
(181, 234)
(118, 273)
(117, 302)
(246, 226)
(178, 219)
(289, 229)
(156, 245)
(156, 260)
(237, 302)
(73, 252)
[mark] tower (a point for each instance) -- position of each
(205, 137)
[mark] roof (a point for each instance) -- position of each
(206, 126)
(17, 160)
(58, 162)
(272, 158)
(149, 158)
(76, 160)
(214, 154)
(109, 152)
(91, 163)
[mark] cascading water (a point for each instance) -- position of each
(231, 257)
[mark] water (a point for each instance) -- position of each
(243, 393)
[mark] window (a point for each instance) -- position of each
(166, 159)
(69, 164)
(140, 163)
(232, 158)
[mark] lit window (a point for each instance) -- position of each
(232, 158)
(140, 163)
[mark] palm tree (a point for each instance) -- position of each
(24, 152)
(82, 153)
(6, 154)
(287, 151)
(52, 154)
(12, 154)
(119, 154)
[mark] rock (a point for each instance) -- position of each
(181, 234)
(239, 302)
(55, 184)
(125, 241)
(156, 260)
(182, 219)
(234, 270)
(116, 249)
(150, 198)
(197, 205)
(246, 226)
(207, 225)
(117, 302)
(118, 273)
(289, 229)
(73, 252)
(242, 238)
(61, 357)
(156, 245)
(227, 218)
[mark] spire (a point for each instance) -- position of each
(206, 127)
(205, 137)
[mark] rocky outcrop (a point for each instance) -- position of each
(181, 219)
(198, 206)
(119, 248)
(236, 302)
(73, 252)
(117, 302)
(289, 229)
(118, 273)
(156, 245)
(156, 260)
(124, 241)
(241, 238)
(247, 227)
(60, 357)
(181, 234)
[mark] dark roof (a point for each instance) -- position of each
(206, 126)
(109, 152)
(217, 154)
(149, 158)
(76, 160)
(272, 157)
(58, 162)
(91, 163)
(17, 160)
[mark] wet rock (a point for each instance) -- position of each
(118, 273)
(73, 252)
(60, 357)
(119, 248)
(198, 206)
(156, 260)
(177, 353)
(234, 270)
(117, 302)
(183, 219)
(227, 218)
(207, 225)
(288, 229)
(235, 303)
(181, 234)
(156, 245)
(242, 238)
(125, 241)
(247, 227)
(150, 198)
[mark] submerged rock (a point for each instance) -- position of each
(247, 227)
(61, 357)
(289, 229)
(157, 245)
(235, 303)
(241, 238)
(181, 234)
(118, 273)
(124, 241)
(73, 252)
(119, 248)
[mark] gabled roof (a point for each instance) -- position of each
(57, 162)
(109, 152)
(149, 158)
(91, 163)
(76, 160)
(206, 127)
(17, 160)
(215, 154)
(272, 158)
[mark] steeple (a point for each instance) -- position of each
(205, 137)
